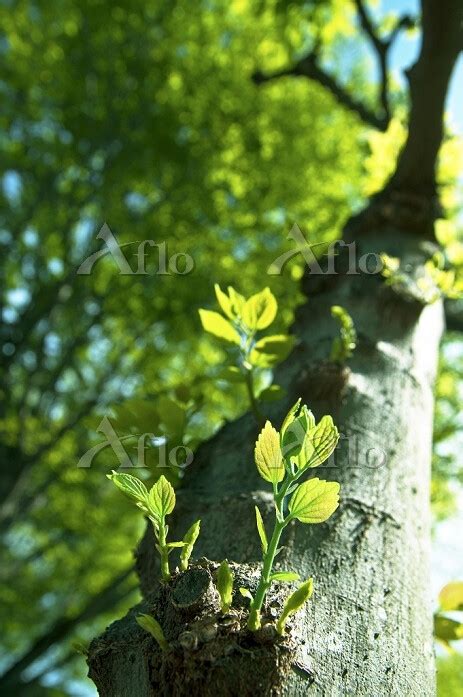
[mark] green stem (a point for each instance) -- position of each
(164, 552)
(279, 498)
(269, 557)
(264, 583)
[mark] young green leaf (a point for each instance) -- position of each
(306, 418)
(149, 624)
(311, 502)
(175, 545)
(260, 310)
(271, 350)
(161, 500)
(268, 455)
(289, 418)
(224, 301)
(314, 501)
(225, 585)
(319, 443)
(285, 576)
(218, 326)
(261, 531)
(246, 593)
(190, 538)
(237, 301)
(295, 435)
(324, 437)
(129, 485)
(295, 601)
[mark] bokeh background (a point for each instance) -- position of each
(144, 115)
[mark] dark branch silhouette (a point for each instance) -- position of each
(310, 67)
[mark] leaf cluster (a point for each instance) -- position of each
(157, 503)
(432, 281)
(240, 324)
(282, 459)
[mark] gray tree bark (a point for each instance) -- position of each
(367, 630)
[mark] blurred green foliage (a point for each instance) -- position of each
(448, 428)
(450, 676)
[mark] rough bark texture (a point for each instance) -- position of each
(211, 653)
(367, 630)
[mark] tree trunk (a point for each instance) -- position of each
(367, 630)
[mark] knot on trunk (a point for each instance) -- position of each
(209, 652)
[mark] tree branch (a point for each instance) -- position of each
(309, 66)
(404, 22)
(381, 48)
(429, 78)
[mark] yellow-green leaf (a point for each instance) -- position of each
(295, 601)
(451, 596)
(149, 624)
(246, 593)
(268, 455)
(161, 500)
(190, 538)
(296, 432)
(261, 530)
(225, 585)
(314, 501)
(224, 302)
(129, 485)
(306, 417)
(289, 418)
(285, 576)
(319, 443)
(237, 301)
(219, 326)
(260, 310)
(271, 350)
